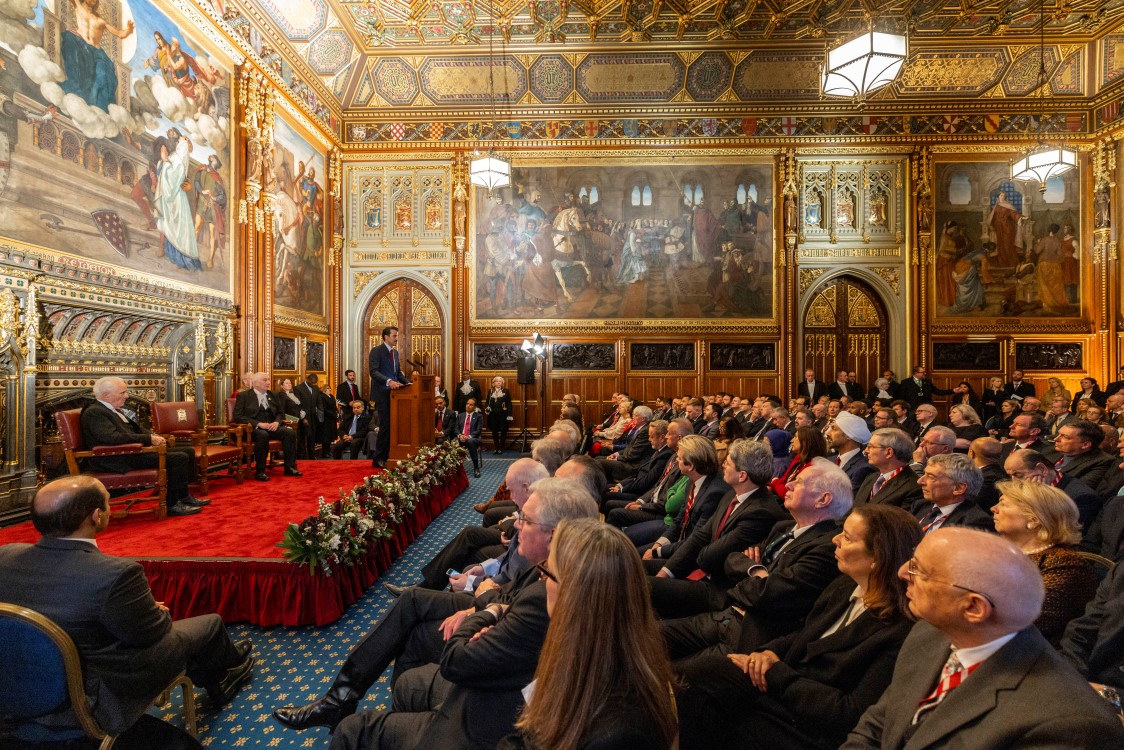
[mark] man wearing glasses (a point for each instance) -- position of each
(976, 672)
(889, 451)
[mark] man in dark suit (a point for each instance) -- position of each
(443, 421)
(698, 461)
(1018, 389)
(1078, 444)
(352, 432)
(977, 673)
(949, 487)
(1032, 466)
(129, 647)
(262, 410)
(1116, 386)
(468, 426)
(308, 429)
(1105, 536)
(842, 387)
(386, 375)
(810, 387)
(649, 506)
(646, 474)
(919, 389)
(926, 420)
(1026, 434)
(627, 461)
(469, 388)
(1058, 416)
(889, 451)
(1094, 642)
(105, 423)
(693, 579)
(985, 454)
(847, 436)
(419, 623)
(348, 391)
(776, 583)
(711, 414)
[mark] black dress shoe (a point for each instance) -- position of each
(476, 472)
(261, 476)
(195, 502)
(182, 509)
(378, 464)
(243, 648)
(230, 683)
(322, 712)
(293, 473)
(396, 590)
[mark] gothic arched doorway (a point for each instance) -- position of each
(846, 327)
(409, 306)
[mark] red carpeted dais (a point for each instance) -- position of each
(225, 559)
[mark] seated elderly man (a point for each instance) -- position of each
(637, 446)
(262, 410)
(129, 646)
(975, 672)
(105, 423)
(937, 440)
(415, 629)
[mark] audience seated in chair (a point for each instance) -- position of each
(263, 411)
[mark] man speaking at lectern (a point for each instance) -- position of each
(386, 375)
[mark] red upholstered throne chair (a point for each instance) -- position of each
(70, 429)
(179, 422)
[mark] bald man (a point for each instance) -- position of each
(129, 646)
(976, 672)
(104, 422)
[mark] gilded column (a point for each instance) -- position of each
(921, 255)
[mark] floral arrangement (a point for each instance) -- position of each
(342, 531)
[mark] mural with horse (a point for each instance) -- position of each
(298, 221)
(674, 242)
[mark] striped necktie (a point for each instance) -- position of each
(951, 676)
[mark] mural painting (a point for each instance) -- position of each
(298, 221)
(1003, 247)
(635, 242)
(113, 101)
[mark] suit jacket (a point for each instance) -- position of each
(814, 393)
(746, 527)
(1105, 535)
(1020, 391)
(1094, 642)
(827, 683)
(310, 399)
(460, 398)
(1040, 445)
(639, 448)
(966, 514)
(1089, 467)
(1111, 482)
(779, 603)
(649, 472)
(489, 674)
(919, 431)
(1056, 422)
(915, 395)
(347, 392)
(698, 424)
(656, 498)
(857, 469)
(988, 496)
(902, 491)
(1087, 501)
(1098, 397)
(448, 423)
(248, 411)
(103, 426)
(128, 649)
(713, 489)
(999, 706)
(380, 363)
(473, 428)
(709, 429)
(292, 409)
(361, 429)
(853, 391)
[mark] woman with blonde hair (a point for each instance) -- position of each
(1056, 390)
(603, 679)
(966, 425)
(1042, 521)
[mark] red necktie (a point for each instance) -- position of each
(687, 512)
(467, 422)
(726, 516)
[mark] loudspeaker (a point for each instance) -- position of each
(525, 369)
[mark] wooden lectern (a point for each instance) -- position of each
(411, 417)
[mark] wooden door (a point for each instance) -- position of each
(846, 326)
(409, 306)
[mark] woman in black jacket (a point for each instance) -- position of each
(809, 688)
(498, 412)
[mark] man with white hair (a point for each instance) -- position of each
(847, 436)
(627, 461)
(975, 672)
(262, 410)
(104, 422)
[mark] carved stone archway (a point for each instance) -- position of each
(411, 307)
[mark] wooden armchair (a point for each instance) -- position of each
(178, 421)
(74, 446)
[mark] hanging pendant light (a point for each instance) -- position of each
(1044, 160)
(489, 169)
(865, 64)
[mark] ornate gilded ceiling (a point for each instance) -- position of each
(382, 62)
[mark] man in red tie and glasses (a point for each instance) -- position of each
(386, 376)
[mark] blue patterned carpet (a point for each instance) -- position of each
(295, 665)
